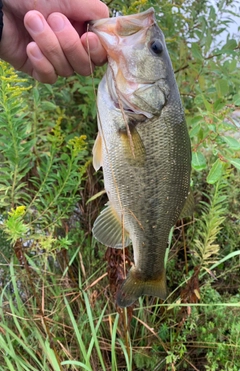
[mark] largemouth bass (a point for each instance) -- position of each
(143, 147)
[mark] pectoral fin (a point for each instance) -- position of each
(97, 153)
(134, 150)
(188, 207)
(135, 286)
(109, 230)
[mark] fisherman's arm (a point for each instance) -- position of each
(51, 40)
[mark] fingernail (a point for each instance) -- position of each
(93, 44)
(90, 41)
(35, 23)
(56, 22)
(36, 52)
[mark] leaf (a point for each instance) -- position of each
(231, 44)
(94, 197)
(208, 41)
(48, 106)
(64, 157)
(36, 94)
(232, 65)
(222, 87)
(197, 51)
(198, 161)
(235, 162)
(216, 172)
(232, 143)
(219, 104)
(202, 83)
(195, 130)
(208, 105)
(236, 99)
(212, 13)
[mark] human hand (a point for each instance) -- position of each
(51, 40)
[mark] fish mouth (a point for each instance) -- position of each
(122, 25)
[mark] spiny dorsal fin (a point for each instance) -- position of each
(108, 229)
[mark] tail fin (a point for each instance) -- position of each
(134, 287)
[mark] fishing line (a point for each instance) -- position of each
(105, 144)
(123, 113)
(98, 116)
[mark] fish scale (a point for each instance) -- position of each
(143, 147)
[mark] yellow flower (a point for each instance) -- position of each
(19, 211)
(78, 144)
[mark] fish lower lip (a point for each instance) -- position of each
(140, 115)
(127, 110)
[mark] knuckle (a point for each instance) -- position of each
(66, 73)
(50, 49)
(46, 79)
(70, 46)
(85, 71)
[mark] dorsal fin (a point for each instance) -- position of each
(188, 207)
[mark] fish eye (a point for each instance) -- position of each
(156, 47)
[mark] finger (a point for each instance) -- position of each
(93, 46)
(42, 69)
(47, 42)
(80, 11)
(70, 43)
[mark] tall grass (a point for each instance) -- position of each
(49, 323)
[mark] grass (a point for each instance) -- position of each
(51, 322)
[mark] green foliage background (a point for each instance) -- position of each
(56, 306)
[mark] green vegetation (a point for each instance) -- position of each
(57, 304)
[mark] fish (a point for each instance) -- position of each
(143, 147)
